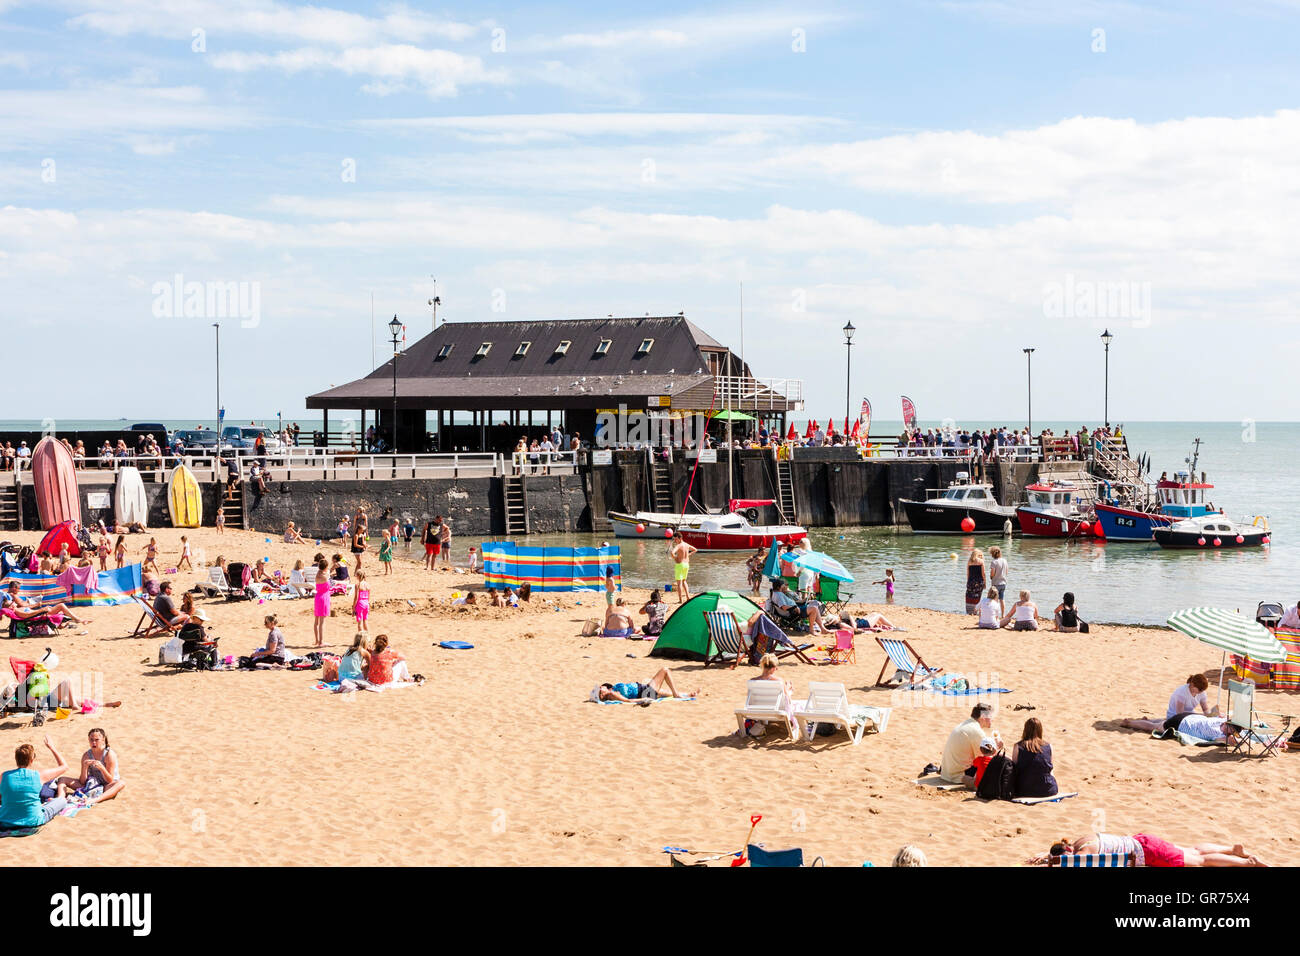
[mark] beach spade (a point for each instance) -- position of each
(753, 825)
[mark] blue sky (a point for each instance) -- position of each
(959, 179)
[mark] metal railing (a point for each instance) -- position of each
(743, 392)
(544, 462)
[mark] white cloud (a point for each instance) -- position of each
(438, 72)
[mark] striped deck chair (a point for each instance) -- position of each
(150, 624)
(904, 658)
(1286, 676)
(724, 637)
(1093, 859)
(767, 637)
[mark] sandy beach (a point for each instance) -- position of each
(500, 759)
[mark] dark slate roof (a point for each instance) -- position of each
(580, 377)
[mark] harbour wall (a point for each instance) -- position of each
(830, 490)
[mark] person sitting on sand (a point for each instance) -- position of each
(25, 609)
(1190, 697)
(20, 789)
(354, 665)
(1066, 615)
(618, 622)
(990, 610)
(338, 568)
(291, 535)
(495, 598)
(1024, 614)
(963, 746)
(657, 611)
(101, 777)
(387, 665)
(274, 651)
(1032, 759)
(1151, 851)
(643, 694)
(1210, 729)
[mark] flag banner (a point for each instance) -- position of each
(865, 417)
(909, 413)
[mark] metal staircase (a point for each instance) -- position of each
(785, 491)
(11, 510)
(516, 502)
(661, 487)
(1112, 463)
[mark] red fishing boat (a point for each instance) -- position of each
(1053, 511)
(733, 532)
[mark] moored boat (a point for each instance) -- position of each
(1176, 500)
(649, 524)
(1214, 530)
(1052, 511)
(961, 508)
(733, 533)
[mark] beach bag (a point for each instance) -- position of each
(1083, 627)
(330, 668)
(998, 782)
(171, 652)
(590, 627)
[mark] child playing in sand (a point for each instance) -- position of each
(361, 602)
(386, 553)
(184, 563)
(151, 555)
(888, 582)
(343, 527)
(221, 523)
(610, 588)
(119, 550)
(392, 533)
(473, 558)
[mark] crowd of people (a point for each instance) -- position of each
(985, 598)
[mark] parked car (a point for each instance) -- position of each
(196, 439)
(156, 429)
(245, 437)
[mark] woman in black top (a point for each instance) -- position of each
(1032, 759)
(1067, 615)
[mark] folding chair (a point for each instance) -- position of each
(843, 652)
(1092, 859)
(150, 624)
(216, 583)
(724, 637)
(828, 703)
(1249, 731)
(905, 659)
(832, 599)
(768, 638)
(765, 700)
(770, 858)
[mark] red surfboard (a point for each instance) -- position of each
(55, 476)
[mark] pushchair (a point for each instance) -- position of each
(239, 577)
(1269, 613)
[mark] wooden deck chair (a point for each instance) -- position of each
(765, 700)
(724, 637)
(1250, 731)
(905, 660)
(216, 584)
(1092, 859)
(828, 703)
(150, 624)
(843, 652)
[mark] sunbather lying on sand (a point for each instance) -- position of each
(1152, 851)
(1214, 729)
(643, 694)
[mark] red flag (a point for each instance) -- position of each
(808, 432)
(791, 435)
(856, 426)
(830, 428)
(909, 413)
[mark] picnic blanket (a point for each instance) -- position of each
(1031, 801)
(642, 702)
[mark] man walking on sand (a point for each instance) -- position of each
(681, 552)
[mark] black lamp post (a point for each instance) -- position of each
(848, 367)
(1029, 376)
(1105, 338)
(217, 326)
(395, 329)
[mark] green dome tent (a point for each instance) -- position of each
(686, 636)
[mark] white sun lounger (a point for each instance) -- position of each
(299, 586)
(828, 703)
(216, 583)
(765, 700)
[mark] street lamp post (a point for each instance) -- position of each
(848, 366)
(395, 330)
(1029, 379)
(217, 420)
(1105, 338)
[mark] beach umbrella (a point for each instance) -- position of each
(857, 429)
(830, 427)
(1230, 632)
(823, 564)
(808, 432)
(791, 435)
(772, 566)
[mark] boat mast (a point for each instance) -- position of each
(1196, 456)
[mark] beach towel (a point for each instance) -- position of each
(1030, 801)
(73, 577)
(954, 685)
(642, 702)
(939, 783)
(109, 588)
(332, 685)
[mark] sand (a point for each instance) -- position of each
(500, 759)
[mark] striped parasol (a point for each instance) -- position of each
(1229, 632)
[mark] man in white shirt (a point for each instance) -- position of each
(1291, 618)
(963, 746)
